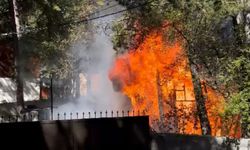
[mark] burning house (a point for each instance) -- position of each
(156, 79)
(153, 78)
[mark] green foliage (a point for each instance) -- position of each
(5, 18)
(238, 71)
(49, 30)
(122, 35)
(136, 23)
(237, 79)
(239, 105)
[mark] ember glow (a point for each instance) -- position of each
(156, 79)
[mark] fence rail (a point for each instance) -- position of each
(36, 116)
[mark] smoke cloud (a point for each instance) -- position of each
(97, 56)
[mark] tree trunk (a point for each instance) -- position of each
(17, 53)
(200, 101)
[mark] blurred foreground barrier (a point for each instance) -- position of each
(124, 133)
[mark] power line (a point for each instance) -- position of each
(43, 28)
(98, 11)
(79, 21)
(99, 17)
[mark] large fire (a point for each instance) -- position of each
(157, 80)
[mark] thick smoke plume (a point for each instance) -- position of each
(96, 57)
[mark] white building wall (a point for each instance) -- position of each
(8, 90)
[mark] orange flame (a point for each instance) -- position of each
(157, 80)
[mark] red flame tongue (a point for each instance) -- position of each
(121, 74)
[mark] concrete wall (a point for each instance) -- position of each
(192, 142)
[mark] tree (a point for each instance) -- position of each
(48, 28)
(17, 52)
(51, 29)
(212, 40)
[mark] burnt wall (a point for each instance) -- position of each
(84, 134)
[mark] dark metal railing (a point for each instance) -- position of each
(70, 116)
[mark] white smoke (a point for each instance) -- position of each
(97, 57)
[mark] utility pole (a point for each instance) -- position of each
(51, 97)
(17, 54)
